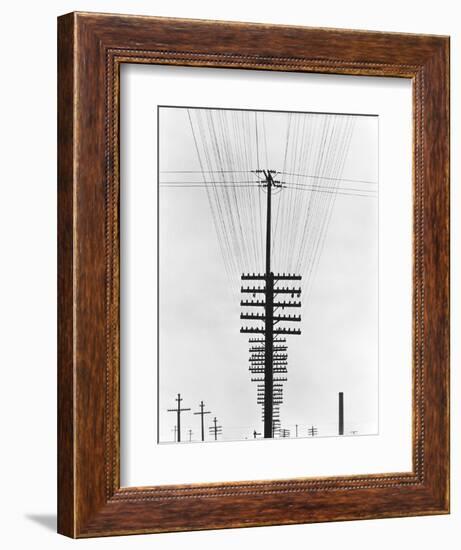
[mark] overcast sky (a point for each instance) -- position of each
(202, 354)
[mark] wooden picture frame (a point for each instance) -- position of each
(92, 48)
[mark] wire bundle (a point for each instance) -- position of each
(307, 150)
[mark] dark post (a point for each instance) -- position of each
(202, 413)
(341, 413)
(312, 431)
(269, 322)
(263, 361)
(179, 419)
(178, 412)
(268, 371)
(215, 429)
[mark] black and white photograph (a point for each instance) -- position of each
(267, 274)
(230, 271)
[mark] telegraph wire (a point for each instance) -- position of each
(313, 150)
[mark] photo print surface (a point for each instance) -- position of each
(267, 275)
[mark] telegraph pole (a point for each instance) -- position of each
(312, 431)
(264, 361)
(269, 328)
(178, 411)
(341, 413)
(202, 414)
(215, 429)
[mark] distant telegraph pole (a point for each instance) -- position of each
(341, 414)
(202, 413)
(312, 431)
(215, 429)
(178, 411)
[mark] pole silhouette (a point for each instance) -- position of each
(215, 429)
(341, 413)
(312, 431)
(178, 412)
(202, 414)
(267, 359)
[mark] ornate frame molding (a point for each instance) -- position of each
(91, 49)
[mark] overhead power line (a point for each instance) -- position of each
(313, 152)
(283, 173)
(310, 176)
(205, 171)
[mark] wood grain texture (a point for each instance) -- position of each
(91, 49)
(66, 471)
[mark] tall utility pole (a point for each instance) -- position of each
(215, 429)
(178, 411)
(341, 413)
(202, 414)
(264, 361)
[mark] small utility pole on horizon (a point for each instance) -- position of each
(215, 429)
(312, 431)
(178, 411)
(202, 413)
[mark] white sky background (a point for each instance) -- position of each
(203, 355)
